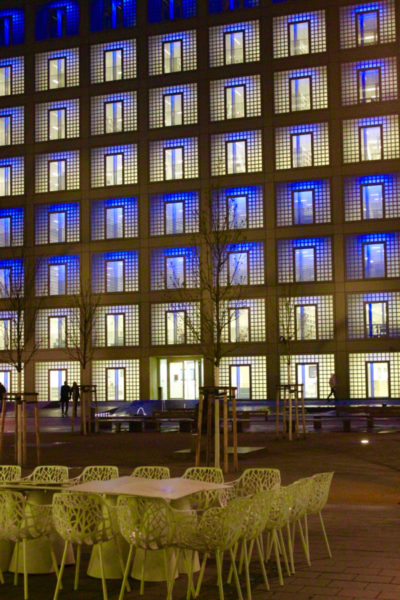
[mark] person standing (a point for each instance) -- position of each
(75, 398)
(3, 392)
(65, 395)
(332, 385)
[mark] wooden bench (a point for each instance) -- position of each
(347, 414)
(184, 416)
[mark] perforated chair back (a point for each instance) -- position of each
(319, 493)
(151, 472)
(81, 518)
(9, 473)
(256, 479)
(48, 474)
(97, 473)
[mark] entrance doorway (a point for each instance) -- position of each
(180, 378)
(307, 374)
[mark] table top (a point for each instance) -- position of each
(30, 485)
(169, 489)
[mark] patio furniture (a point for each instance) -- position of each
(9, 473)
(47, 474)
(319, 493)
(255, 479)
(299, 498)
(150, 472)
(203, 500)
(95, 473)
(278, 519)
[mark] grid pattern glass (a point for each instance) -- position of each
(72, 274)
(98, 216)
(71, 118)
(354, 253)
(131, 324)
(255, 253)
(18, 24)
(158, 321)
(71, 170)
(390, 137)
(157, 266)
(17, 73)
(356, 326)
(97, 164)
(131, 270)
(326, 366)
(388, 79)
(98, 23)
(319, 88)
(17, 224)
(323, 258)
(97, 111)
(42, 325)
(254, 160)
(358, 372)
(283, 144)
(217, 6)
(71, 67)
(12, 334)
(13, 388)
(189, 104)
(325, 323)
(353, 187)
(256, 308)
(252, 84)
(258, 373)
(132, 377)
(17, 273)
(190, 157)
(255, 202)
(17, 123)
(42, 375)
(185, 9)
(317, 32)
(251, 31)
(284, 200)
(97, 66)
(190, 208)
(17, 174)
(42, 212)
(71, 12)
(189, 50)
(386, 20)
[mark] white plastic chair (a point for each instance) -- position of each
(47, 474)
(319, 493)
(278, 519)
(299, 498)
(255, 479)
(206, 498)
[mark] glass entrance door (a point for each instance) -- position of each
(378, 379)
(56, 380)
(307, 374)
(183, 378)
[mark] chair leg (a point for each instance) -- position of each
(303, 542)
(103, 579)
(241, 559)
(325, 536)
(261, 559)
(121, 560)
(235, 574)
(16, 563)
(54, 561)
(234, 552)
(167, 573)
(126, 572)
(219, 574)
(284, 553)
(77, 566)
(1, 576)
(25, 569)
(201, 574)
(277, 557)
(61, 571)
(141, 590)
(290, 545)
(247, 571)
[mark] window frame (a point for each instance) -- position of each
(359, 87)
(64, 58)
(229, 87)
(49, 110)
(11, 180)
(105, 209)
(48, 379)
(293, 135)
(289, 25)
(296, 323)
(106, 26)
(310, 79)
(181, 94)
(52, 212)
(121, 49)
(164, 72)
(11, 79)
(115, 369)
(231, 197)
(250, 377)
(166, 257)
(56, 9)
(363, 245)
(9, 270)
(165, 163)
(49, 265)
(115, 314)
(10, 337)
(229, 277)
(9, 19)
(227, 142)
(226, 33)
(105, 168)
(360, 130)
(11, 229)
(367, 363)
(318, 379)
(292, 206)
(8, 116)
(114, 260)
(49, 317)
(295, 280)
(365, 304)
(105, 104)
(165, 216)
(230, 320)
(378, 27)
(64, 160)
(366, 185)
(175, 311)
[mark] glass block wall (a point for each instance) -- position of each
(320, 144)
(358, 363)
(158, 266)
(257, 322)
(17, 64)
(16, 216)
(355, 259)
(70, 368)
(130, 381)
(129, 227)
(357, 326)
(324, 312)
(189, 50)
(130, 259)
(131, 324)
(98, 167)
(190, 157)
(188, 92)
(351, 79)
(16, 114)
(353, 190)
(219, 157)
(255, 261)
(284, 194)
(319, 88)
(251, 31)
(252, 92)
(17, 183)
(72, 221)
(72, 175)
(71, 56)
(254, 202)
(72, 281)
(389, 125)
(42, 325)
(42, 126)
(317, 32)
(97, 64)
(323, 258)
(386, 20)
(159, 321)
(258, 373)
(325, 367)
(129, 111)
(191, 214)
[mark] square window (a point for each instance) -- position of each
(174, 217)
(375, 315)
(371, 142)
(5, 130)
(374, 257)
(236, 157)
(173, 163)
(5, 30)
(237, 212)
(113, 116)
(56, 120)
(235, 101)
(304, 264)
(238, 268)
(115, 329)
(57, 175)
(114, 169)
(239, 324)
(5, 232)
(303, 207)
(5, 81)
(113, 65)
(174, 272)
(56, 73)
(299, 38)
(57, 279)
(372, 201)
(176, 326)
(369, 85)
(5, 282)
(114, 217)
(115, 384)
(378, 379)
(5, 334)
(5, 181)
(302, 150)
(173, 109)
(57, 377)
(307, 375)
(306, 322)
(234, 47)
(114, 275)
(57, 227)
(240, 378)
(300, 93)
(367, 28)
(57, 332)
(172, 56)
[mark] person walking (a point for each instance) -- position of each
(3, 391)
(65, 395)
(332, 385)
(75, 398)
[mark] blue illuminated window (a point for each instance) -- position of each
(5, 231)
(5, 30)
(113, 116)
(115, 329)
(115, 384)
(173, 109)
(113, 64)
(114, 169)
(174, 217)
(57, 22)
(172, 56)
(5, 130)
(57, 169)
(299, 38)
(237, 212)
(369, 84)
(300, 93)
(304, 264)
(114, 275)
(57, 279)
(238, 268)
(372, 201)
(303, 207)
(57, 222)
(5, 80)
(374, 260)
(57, 332)
(114, 222)
(371, 142)
(112, 14)
(234, 47)
(5, 282)
(236, 156)
(217, 6)
(368, 28)
(376, 324)
(5, 181)
(57, 19)
(168, 10)
(378, 379)
(174, 272)
(12, 27)
(235, 101)
(302, 150)
(173, 163)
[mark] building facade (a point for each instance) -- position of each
(122, 121)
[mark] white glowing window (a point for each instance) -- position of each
(378, 379)
(173, 163)
(307, 375)
(372, 201)
(113, 65)
(174, 272)
(57, 377)
(115, 329)
(57, 332)
(175, 325)
(57, 279)
(237, 212)
(234, 47)
(113, 116)
(374, 260)
(114, 222)
(367, 28)
(240, 378)
(173, 105)
(5, 333)
(299, 38)
(114, 275)
(114, 169)
(235, 101)
(5, 282)
(302, 150)
(5, 231)
(5, 181)
(5, 130)
(239, 324)
(5, 81)
(57, 227)
(375, 319)
(306, 322)
(172, 56)
(57, 124)
(174, 216)
(303, 207)
(56, 175)
(238, 267)
(369, 85)
(57, 67)
(236, 157)
(371, 142)
(300, 93)
(304, 264)
(115, 384)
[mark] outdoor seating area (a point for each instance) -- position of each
(151, 527)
